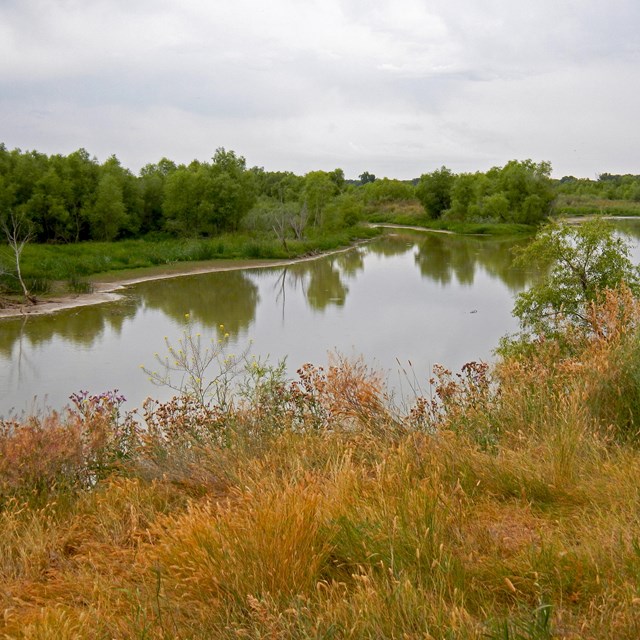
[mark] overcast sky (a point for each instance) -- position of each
(397, 88)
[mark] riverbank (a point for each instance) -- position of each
(106, 287)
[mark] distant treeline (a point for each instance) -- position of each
(608, 186)
(73, 198)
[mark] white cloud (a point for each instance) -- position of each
(394, 87)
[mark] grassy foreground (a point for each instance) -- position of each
(504, 506)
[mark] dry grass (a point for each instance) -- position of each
(509, 508)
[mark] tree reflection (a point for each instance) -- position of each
(83, 325)
(440, 257)
(322, 280)
(229, 298)
(393, 244)
(325, 286)
(350, 262)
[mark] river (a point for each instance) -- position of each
(404, 302)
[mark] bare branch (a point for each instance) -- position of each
(18, 234)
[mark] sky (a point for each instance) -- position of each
(397, 88)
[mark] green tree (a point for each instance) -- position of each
(581, 262)
(527, 187)
(82, 173)
(366, 177)
(386, 190)
(319, 189)
(205, 199)
(49, 206)
(183, 199)
(151, 184)
(337, 177)
(108, 213)
(434, 191)
(232, 191)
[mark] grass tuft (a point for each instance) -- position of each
(503, 506)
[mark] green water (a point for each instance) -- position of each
(404, 301)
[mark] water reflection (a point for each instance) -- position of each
(82, 326)
(629, 227)
(404, 296)
(443, 257)
(394, 244)
(321, 281)
(231, 297)
(211, 299)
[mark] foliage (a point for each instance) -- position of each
(434, 191)
(204, 373)
(341, 517)
(520, 192)
(204, 199)
(582, 261)
(606, 187)
(384, 190)
(71, 451)
(319, 188)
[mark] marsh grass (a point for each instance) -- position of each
(504, 506)
(411, 213)
(576, 205)
(76, 262)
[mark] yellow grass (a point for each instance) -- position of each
(508, 509)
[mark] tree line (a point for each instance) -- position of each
(74, 198)
(607, 186)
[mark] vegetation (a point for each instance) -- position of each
(74, 198)
(615, 195)
(519, 192)
(581, 263)
(50, 264)
(498, 507)
(73, 208)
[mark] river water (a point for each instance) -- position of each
(403, 302)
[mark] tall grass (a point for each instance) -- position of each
(502, 506)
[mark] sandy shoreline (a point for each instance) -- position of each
(107, 291)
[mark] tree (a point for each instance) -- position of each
(232, 190)
(319, 188)
(16, 229)
(581, 262)
(434, 191)
(151, 185)
(183, 196)
(366, 177)
(527, 187)
(108, 213)
(83, 174)
(205, 199)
